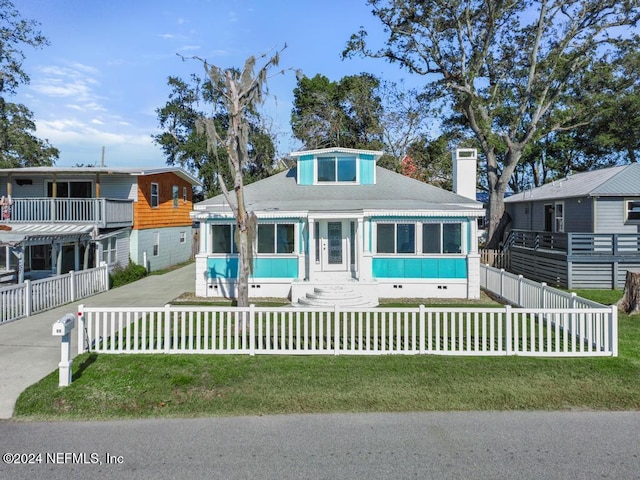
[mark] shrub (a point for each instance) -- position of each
(121, 276)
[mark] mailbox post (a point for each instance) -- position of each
(62, 328)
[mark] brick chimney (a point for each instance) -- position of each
(464, 172)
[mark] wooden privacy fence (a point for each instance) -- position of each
(349, 331)
(30, 297)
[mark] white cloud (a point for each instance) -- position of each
(190, 47)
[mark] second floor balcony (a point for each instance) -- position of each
(101, 212)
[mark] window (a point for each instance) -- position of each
(441, 238)
(396, 238)
(183, 237)
(633, 211)
(156, 244)
(276, 238)
(337, 169)
(70, 189)
(431, 238)
(184, 195)
(559, 212)
(222, 239)
(109, 250)
(154, 195)
(452, 237)
(174, 195)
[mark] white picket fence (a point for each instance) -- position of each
(349, 331)
(522, 292)
(31, 297)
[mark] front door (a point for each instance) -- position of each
(333, 238)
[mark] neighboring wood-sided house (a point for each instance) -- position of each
(336, 222)
(57, 219)
(582, 231)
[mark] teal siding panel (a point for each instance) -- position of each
(396, 268)
(430, 268)
(367, 167)
(413, 268)
(433, 268)
(379, 267)
(262, 267)
(223, 267)
(275, 268)
(305, 170)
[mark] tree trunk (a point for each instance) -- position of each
(630, 301)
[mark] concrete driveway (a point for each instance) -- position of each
(28, 351)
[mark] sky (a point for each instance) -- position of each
(99, 82)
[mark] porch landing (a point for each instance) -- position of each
(328, 293)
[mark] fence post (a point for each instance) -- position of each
(520, 278)
(252, 329)
(167, 328)
(502, 282)
(81, 330)
(106, 275)
(613, 337)
(543, 295)
(72, 281)
(28, 294)
(508, 329)
(421, 328)
(336, 330)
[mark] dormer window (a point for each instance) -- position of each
(337, 169)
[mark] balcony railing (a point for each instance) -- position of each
(594, 244)
(102, 212)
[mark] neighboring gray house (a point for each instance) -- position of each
(582, 231)
(337, 224)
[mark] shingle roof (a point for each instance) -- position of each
(392, 191)
(607, 182)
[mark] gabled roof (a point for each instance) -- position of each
(392, 192)
(101, 170)
(607, 182)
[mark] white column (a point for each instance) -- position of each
(359, 248)
(473, 235)
(58, 250)
(311, 251)
(76, 256)
(204, 236)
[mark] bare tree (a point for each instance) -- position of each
(240, 93)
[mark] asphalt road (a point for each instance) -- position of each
(469, 445)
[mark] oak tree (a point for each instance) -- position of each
(19, 147)
(505, 65)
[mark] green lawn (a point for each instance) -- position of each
(136, 386)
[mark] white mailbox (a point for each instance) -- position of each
(64, 325)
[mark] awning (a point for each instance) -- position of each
(24, 234)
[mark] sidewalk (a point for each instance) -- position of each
(28, 351)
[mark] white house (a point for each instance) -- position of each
(337, 221)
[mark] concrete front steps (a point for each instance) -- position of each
(352, 294)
